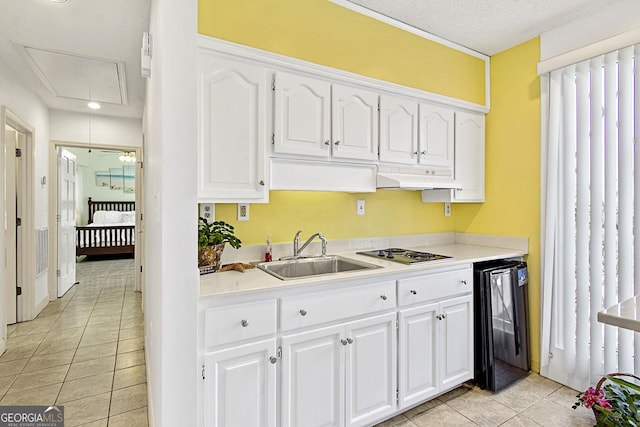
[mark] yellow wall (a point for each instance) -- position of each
(512, 203)
(324, 33)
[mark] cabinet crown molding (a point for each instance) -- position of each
(239, 52)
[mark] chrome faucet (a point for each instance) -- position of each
(297, 249)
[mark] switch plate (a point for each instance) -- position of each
(360, 207)
(243, 212)
(447, 209)
(207, 211)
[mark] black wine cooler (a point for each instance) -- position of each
(500, 327)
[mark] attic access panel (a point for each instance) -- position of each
(78, 77)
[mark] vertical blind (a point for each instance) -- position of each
(591, 241)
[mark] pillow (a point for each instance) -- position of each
(129, 217)
(113, 217)
(99, 217)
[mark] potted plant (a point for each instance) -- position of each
(615, 401)
(212, 236)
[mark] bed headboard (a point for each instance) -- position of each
(122, 206)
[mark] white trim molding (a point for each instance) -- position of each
(280, 62)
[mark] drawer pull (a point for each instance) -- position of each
(244, 323)
(273, 359)
(384, 297)
(344, 342)
(414, 292)
(350, 340)
(303, 312)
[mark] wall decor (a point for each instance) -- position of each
(116, 178)
(103, 179)
(129, 178)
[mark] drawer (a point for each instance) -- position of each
(435, 286)
(323, 307)
(239, 322)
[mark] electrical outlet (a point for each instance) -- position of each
(447, 209)
(243, 212)
(359, 207)
(207, 211)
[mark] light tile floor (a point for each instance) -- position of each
(531, 402)
(84, 351)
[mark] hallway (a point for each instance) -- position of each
(84, 351)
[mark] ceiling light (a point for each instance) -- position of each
(94, 105)
(59, 1)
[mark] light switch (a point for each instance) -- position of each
(360, 207)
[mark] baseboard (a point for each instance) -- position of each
(149, 397)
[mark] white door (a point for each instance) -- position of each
(240, 386)
(417, 361)
(398, 130)
(11, 235)
(371, 369)
(302, 116)
(232, 136)
(469, 157)
(354, 123)
(66, 220)
(312, 389)
(436, 136)
(456, 346)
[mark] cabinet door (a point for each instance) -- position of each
(469, 157)
(417, 354)
(456, 356)
(240, 386)
(436, 136)
(354, 123)
(371, 369)
(398, 130)
(302, 116)
(232, 99)
(312, 389)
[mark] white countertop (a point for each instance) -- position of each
(255, 280)
(625, 315)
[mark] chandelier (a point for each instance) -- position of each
(128, 156)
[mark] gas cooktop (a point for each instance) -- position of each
(404, 256)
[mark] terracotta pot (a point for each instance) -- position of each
(210, 255)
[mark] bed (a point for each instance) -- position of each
(110, 229)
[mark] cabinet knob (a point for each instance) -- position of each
(439, 317)
(344, 342)
(337, 143)
(464, 282)
(244, 323)
(414, 292)
(424, 153)
(384, 297)
(303, 312)
(261, 182)
(273, 359)
(327, 142)
(444, 316)
(415, 153)
(350, 340)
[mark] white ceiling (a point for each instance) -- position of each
(76, 51)
(486, 26)
(70, 52)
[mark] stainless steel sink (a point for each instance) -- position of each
(314, 266)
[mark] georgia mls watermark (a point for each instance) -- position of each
(31, 416)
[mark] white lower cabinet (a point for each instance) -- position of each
(435, 348)
(240, 386)
(343, 375)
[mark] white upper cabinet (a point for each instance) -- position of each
(317, 119)
(354, 123)
(232, 133)
(398, 130)
(469, 157)
(302, 116)
(436, 137)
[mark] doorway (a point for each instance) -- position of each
(17, 269)
(97, 168)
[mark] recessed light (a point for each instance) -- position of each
(94, 105)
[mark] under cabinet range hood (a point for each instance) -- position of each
(418, 180)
